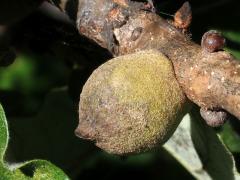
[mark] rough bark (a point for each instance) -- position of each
(211, 80)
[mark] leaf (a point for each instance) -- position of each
(4, 133)
(35, 169)
(6, 174)
(230, 137)
(21, 76)
(50, 134)
(232, 35)
(40, 169)
(197, 147)
(233, 42)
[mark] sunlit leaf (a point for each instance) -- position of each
(197, 147)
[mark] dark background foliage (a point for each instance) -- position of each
(40, 93)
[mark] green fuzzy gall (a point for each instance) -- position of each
(131, 103)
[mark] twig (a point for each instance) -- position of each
(209, 79)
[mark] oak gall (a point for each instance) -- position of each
(131, 103)
(214, 118)
(212, 41)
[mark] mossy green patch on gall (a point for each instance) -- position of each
(131, 103)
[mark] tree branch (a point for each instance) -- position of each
(211, 80)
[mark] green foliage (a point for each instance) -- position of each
(19, 75)
(200, 150)
(233, 41)
(231, 138)
(26, 73)
(3, 134)
(49, 134)
(36, 169)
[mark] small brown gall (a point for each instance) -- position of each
(212, 41)
(214, 118)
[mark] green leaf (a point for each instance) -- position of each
(232, 35)
(3, 134)
(21, 76)
(7, 174)
(50, 134)
(233, 42)
(230, 137)
(197, 147)
(35, 169)
(42, 170)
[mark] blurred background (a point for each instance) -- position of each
(44, 63)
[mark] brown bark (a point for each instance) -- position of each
(211, 80)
